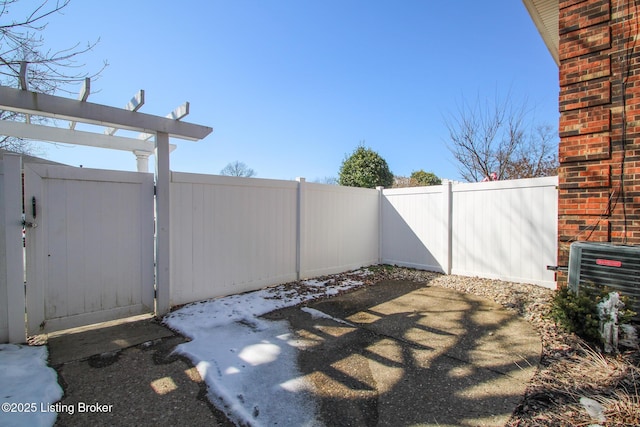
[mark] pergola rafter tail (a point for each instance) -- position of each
(23, 101)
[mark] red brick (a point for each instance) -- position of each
(599, 123)
(586, 176)
(585, 41)
(584, 68)
(585, 202)
(583, 15)
(562, 4)
(595, 229)
(585, 147)
(585, 94)
(585, 121)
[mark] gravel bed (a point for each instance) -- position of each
(569, 370)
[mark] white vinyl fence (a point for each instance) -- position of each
(504, 229)
(338, 228)
(232, 235)
(415, 227)
(89, 254)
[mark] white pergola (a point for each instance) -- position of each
(155, 132)
(141, 146)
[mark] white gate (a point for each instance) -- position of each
(89, 246)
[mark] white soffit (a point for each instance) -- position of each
(545, 14)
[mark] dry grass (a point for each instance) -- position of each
(553, 397)
(611, 381)
(587, 370)
(622, 409)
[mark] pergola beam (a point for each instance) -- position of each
(180, 112)
(69, 109)
(76, 137)
(177, 114)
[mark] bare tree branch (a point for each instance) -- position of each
(48, 71)
(498, 138)
(237, 168)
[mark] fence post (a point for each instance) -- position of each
(163, 222)
(380, 222)
(448, 228)
(301, 222)
(13, 274)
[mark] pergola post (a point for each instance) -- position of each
(163, 235)
(142, 159)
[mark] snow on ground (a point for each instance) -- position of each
(28, 387)
(249, 363)
(317, 314)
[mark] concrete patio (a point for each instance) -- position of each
(396, 353)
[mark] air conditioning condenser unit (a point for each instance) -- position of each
(606, 265)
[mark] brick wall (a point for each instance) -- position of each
(599, 175)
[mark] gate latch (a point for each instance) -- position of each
(28, 224)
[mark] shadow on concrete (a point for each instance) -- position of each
(125, 373)
(81, 343)
(403, 353)
(396, 353)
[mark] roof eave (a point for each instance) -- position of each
(545, 16)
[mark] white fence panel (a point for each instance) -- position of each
(230, 235)
(415, 227)
(339, 228)
(503, 229)
(506, 230)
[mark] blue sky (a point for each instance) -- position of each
(291, 87)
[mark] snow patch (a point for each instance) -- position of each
(248, 363)
(259, 354)
(317, 314)
(25, 379)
